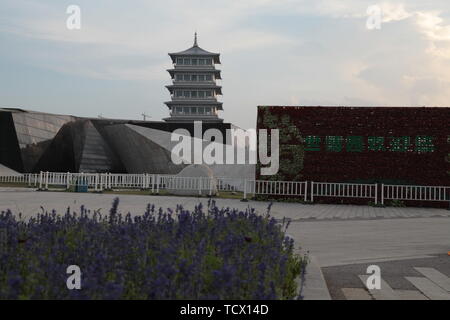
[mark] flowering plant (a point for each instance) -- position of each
(207, 253)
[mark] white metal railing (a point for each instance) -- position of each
(230, 184)
(279, 188)
(344, 190)
(13, 179)
(417, 193)
(200, 184)
(157, 182)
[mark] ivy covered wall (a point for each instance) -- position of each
(404, 145)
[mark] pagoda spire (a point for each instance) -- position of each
(195, 39)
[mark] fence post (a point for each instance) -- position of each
(40, 180)
(376, 193)
(312, 191)
(144, 181)
(153, 183)
(96, 182)
(382, 193)
(46, 180)
(245, 191)
(210, 186)
(306, 190)
(67, 180)
(100, 182)
(157, 184)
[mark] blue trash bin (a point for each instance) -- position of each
(81, 185)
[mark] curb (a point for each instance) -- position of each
(314, 286)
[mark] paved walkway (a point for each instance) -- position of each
(30, 202)
(337, 243)
(411, 279)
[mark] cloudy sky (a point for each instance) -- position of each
(273, 52)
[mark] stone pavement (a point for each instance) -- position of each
(351, 242)
(29, 202)
(411, 279)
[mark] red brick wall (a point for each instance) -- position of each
(413, 164)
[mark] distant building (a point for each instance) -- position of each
(194, 90)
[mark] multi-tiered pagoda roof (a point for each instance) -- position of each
(194, 89)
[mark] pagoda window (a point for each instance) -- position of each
(208, 61)
(194, 62)
(178, 93)
(201, 110)
(179, 77)
(194, 77)
(201, 77)
(187, 61)
(208, 77)
(177, 110)
(201, 62)
(194, 94)
(180, 61)
(208, 93)
(186, 77)
(187, 94)
(201, 94)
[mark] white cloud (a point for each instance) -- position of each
(433, 26)
(393, 12)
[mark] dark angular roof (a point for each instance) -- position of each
(217, 89)
(187, 70)
(218, 104)
(195, 50)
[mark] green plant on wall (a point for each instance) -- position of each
(291, 146)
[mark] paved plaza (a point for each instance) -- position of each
(29, 202)
(409, 279)
(343, 239)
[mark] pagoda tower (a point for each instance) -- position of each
(194, 90)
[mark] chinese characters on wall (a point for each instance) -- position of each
(417, 144)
